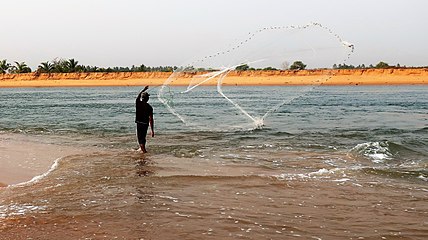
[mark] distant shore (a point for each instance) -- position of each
(393, 76)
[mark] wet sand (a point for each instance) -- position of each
(161, 197)
(23, 157)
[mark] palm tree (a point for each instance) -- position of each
(59, 65)
(90, 68)
(20, 68)
(46, 67)
(72, 65)
(4, 66)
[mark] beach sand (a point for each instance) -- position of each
(24, 157)
(303, 77)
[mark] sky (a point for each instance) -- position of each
(109, 33)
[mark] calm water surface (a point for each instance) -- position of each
(330, 163)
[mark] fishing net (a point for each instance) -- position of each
(206, 93)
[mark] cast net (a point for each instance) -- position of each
(211, 95)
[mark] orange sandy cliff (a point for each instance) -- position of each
(302, 77)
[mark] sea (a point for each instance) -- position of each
(275, 162)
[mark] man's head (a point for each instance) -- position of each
(145, 96)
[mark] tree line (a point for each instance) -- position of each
(299, 65)
(72, 66)
(363, 66)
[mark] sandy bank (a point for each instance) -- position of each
(24, 157)
(303, 77)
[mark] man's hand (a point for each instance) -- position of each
(153, 134)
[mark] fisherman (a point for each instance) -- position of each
(143, 118)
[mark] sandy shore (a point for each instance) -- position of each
(24, 157)
(303, 77)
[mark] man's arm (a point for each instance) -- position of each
(139, 95)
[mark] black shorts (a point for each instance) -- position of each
(142, 132)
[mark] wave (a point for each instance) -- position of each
(389, 159)
(345, 175)
(385, 152)
(377, 152)
(421, 130)
(421, 174)
(39, 177)
(322, 173)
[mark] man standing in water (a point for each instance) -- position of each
(143, 118)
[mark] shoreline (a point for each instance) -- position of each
(396, 76)
(27, 158)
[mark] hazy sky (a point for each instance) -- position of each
(168, 32)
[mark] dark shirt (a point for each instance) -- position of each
(143, 111)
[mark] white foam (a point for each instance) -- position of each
(342, 180)
(18, 210)
(423, 178)
(39, 177)
(320, 173)
(168, 197)
(378, 152)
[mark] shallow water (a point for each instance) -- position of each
(332, 163)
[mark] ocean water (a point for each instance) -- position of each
(344, 162)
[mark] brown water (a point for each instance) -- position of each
(126, 195)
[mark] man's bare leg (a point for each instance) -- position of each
(143, 148)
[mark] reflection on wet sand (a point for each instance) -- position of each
(143, 167)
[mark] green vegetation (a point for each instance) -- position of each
(362, 66)
(4, 66)
(73, 66)
(382, 65)
(269, 69)
(244, 67)
(20, 67)
(297, 65)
